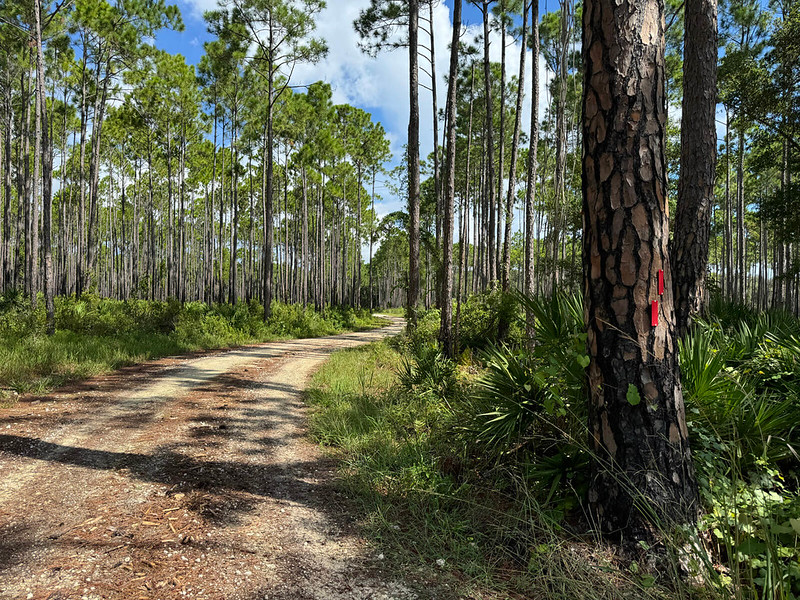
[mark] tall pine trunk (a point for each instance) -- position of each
(530, 192)
(636, 413)
(489, 128)
(445, 329)
(413, 163)
(512, 177)
(689, 252)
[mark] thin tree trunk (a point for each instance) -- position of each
(94, 176)
(413, 164)
(729, 289)
(561, 145)
(9, 121)
(445, 329)
(268, 225)
(489, 128)
(740, 241)
(43, 146)
(512, 177)
(371, 239)
(530, 192)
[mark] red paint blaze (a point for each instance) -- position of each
(660, 282)
(654, 313)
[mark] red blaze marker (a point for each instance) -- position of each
(654, 313)
(660, 282)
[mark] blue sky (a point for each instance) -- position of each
(379, 85)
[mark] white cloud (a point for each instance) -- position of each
(199, 7)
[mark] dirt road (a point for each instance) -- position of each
(182, 478)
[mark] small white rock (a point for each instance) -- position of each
(440, 562)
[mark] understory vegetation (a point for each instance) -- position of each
(478, 467)
(95, 335)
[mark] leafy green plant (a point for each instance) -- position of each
(428, 370)
(490, 318)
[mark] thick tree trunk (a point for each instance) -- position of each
(689, 252)
(445, 329)
(636, 418)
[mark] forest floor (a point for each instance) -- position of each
(184, 478)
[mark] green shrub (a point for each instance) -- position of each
(491, 317)
(427, 370)
(491, 470)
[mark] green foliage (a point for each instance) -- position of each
(739, 371)
(428, 493)
(481, 317)
(428, 371)
(529, 411)
(486, 462)
(97, 334)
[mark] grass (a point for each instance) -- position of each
(38, 363)
(96, 335)
(476, 471)
(395, 312)
(421, 504)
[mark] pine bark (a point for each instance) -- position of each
(47, 178)
(637, 423)
(533, 147)
(445, 329)
(6, 258)
(270, 192)
(512, 177)
(413, 162)
(489, 126)
(689, 251)
(740, 237)
(561, 145)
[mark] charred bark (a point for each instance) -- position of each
(643, 471)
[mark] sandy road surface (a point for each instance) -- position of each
(184, 478)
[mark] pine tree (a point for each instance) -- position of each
(636, 413)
